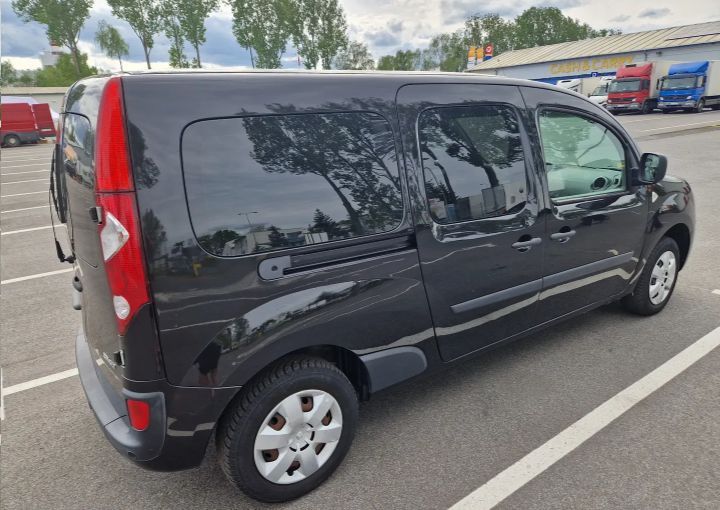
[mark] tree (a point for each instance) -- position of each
(144, 17)
(63, 73)
(8, 74)
(63, 20)
(355, 56)
(539, 26)
(490, 28)
(111, 42)
(408, 60)
(446, 52)
(170, 24)
(192, 15)
(319, 31)
(263, 26)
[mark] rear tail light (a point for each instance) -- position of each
(119, 228)
(139, 414)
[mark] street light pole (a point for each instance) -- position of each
(247, 217)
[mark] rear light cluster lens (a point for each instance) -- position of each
(119, 229)
(138, 414)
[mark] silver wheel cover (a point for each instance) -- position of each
(662, 277)
(298, 436)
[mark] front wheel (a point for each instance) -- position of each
(657, 281)
(647, 107)
(289, 430)
(700, 106)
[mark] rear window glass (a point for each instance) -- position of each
(262, 183)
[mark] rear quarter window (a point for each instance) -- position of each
(263, 183)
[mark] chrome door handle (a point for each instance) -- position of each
(526, 245)
(562, 237)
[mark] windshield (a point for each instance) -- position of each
(600, 90)
(683, 82)
(625, 86)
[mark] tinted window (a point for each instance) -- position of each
(582, 157)
(473, 162)
(271, 182)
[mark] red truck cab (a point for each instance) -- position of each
(630, 90)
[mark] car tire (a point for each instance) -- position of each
(657, 281)
(12, 141)
(700, 106)
(646, 107)
(270, 403)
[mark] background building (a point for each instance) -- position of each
(603, 55)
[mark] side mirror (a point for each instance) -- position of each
(652, 168)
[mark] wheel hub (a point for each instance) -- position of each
(298, 436)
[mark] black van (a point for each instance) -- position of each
(257, 252)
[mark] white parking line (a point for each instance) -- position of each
(22, 194)
(24, 209)
(10, 160)
(47, 163)
(28, 172)
(716, 121)
(16, 388)
(533, 464)
(716, 291)
(62, 225)
(28, 180)
(33, 276)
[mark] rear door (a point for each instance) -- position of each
(597, 218)
(476, 211)
(43, 119)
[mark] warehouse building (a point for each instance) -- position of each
(602, 56)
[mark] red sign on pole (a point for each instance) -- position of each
(488, 51)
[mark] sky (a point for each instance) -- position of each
(384, 25)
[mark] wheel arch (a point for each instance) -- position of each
(680, 233)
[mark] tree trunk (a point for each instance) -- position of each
(197, 55)
(76, 59)
(252, 59)
(121, 67)
(353, 216)
(147, 55)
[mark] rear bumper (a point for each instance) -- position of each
(110, 411)
(182, 418)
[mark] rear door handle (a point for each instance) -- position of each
(562, 237)
(526, 245)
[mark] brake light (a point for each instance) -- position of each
(119, 228)
(139, 414)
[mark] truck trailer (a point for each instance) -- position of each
(691, 86)
(25, 123)
(635, 87)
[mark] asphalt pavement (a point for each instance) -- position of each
(426, 444)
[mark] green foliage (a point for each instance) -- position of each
(319, 31)
(409, 60)
(191, 16)
(63, 73)
(446, 52)
(490, 28)
(8, 74)
(355, 56)
(111, 42)
(143, 16)
(63, 20)
(539, 26)
(263, 26)
(170, 24)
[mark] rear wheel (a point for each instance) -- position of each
(289, 430)
(657, 282)
(11, 141)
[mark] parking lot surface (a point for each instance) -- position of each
(425, 444)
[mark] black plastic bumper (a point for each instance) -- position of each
(182, 418)
(110, 409)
